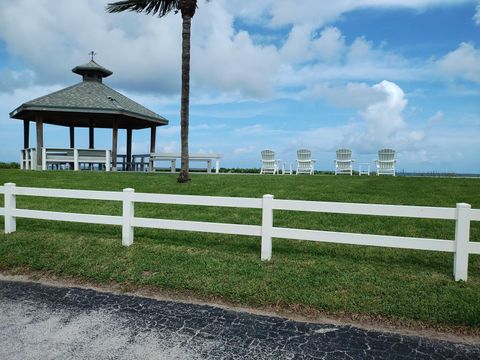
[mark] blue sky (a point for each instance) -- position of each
(271, 74)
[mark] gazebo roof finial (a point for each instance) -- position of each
(92, 53)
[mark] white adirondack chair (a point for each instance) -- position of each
(344, 162)
(270, 165)
(386, 162)
(305, 164)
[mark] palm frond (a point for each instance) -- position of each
(154, 7)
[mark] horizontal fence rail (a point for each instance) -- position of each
(198, 200)
(70, 194)
(461, 246)
(365, 239)
(69, 217)
(366, 209)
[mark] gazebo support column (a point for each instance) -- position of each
(129, 149)
(39, 123)
(72, 142)
(153, 139)
(114, 146)
(91, 140)
(91, 136)
(26, 134)
(72, 137)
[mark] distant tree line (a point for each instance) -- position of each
(9, 165)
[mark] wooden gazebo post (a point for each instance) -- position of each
(26, 134)
(91, 135)
(114, 145)
(72, 142)
(72, 136)
(153, 138)
(129, 149)
(39, 123)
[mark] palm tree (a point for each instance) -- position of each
(161, 8)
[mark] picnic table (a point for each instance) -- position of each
(172, 158)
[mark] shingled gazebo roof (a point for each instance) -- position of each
(87, 101)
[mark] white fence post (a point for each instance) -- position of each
(462, 237)
(107, 160)
(76, 165)
(44, 159)
(128, 213)
(267, 224)
(10, 206)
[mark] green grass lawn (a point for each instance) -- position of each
(396, 284)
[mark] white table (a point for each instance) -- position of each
(287, 168)
(172, 158)
(364, 168)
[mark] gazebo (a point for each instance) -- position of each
(89, 104)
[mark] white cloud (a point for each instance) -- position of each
(54, 39)
(330, 45)
(416, 136)
(303, 45)
(356, 95)
(358, 61)
(142, 51)
(463, 62)
(382, 121)
(476, 17)
(437, 118)
(227, 60)
(360, 50)
(256, 129)
(168, 147)
(169, 130)
(11, 79)
(385, 117)
(226, 65)
(296, 48)
(244, 150)
(317, 13)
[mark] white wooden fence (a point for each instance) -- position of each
(461, 246)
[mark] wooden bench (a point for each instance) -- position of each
(76, 157)
(57, 156)
(93, 156)
(172, 158)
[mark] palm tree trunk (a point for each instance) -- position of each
(184, 110)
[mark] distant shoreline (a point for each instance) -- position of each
(15, 165)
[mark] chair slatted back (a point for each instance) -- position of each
(386, 162)
(344, 162)
(304, 161)
(304, 155)
(269, 163)
(344, 154)
(386, 155)
(268, 155)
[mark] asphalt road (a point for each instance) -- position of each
(44, 322)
